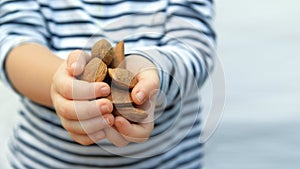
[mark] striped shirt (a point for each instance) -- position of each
(176, 35)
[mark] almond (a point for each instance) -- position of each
(120, 97)
(94, 71)
(103, 50)
(131, 113)
(122, 78)
(118, 58)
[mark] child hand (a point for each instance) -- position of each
(82, 116)
(144, 95)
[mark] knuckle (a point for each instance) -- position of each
(67, 125)
(62, 111)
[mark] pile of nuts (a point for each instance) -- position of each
(107, 65)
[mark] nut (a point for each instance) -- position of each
(131, 113)
(103, 50)
(120, 97)
(118, 56)
(122, 78)
(94, 71)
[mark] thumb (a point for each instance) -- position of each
(148, 83)
(76, 62)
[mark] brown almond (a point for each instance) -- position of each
(122, 78)
(131, 113)
(94, 71)
(120, 97)
(118, 58)
(103, 50)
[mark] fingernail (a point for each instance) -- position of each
(140, 96)
(104, 109)
(119, 122)
(75, 66)
(104, 90)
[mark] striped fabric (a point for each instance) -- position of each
(176, 35)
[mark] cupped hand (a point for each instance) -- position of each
(81, 114)
(144, 95)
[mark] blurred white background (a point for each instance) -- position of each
(259, 47)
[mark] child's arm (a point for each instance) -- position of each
(30, 68)
(38, 74)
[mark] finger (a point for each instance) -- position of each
(85, 90)
(74, 89)
(88, 139)
(81, 110)
(114, 137)
(76, 62)
(88, 126)
(148, 82)
(133, 132)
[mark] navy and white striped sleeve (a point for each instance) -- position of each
(20, 22)
(186, 51)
